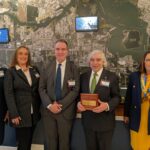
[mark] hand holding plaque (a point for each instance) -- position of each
(89, 101)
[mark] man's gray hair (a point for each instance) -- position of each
(102, 56)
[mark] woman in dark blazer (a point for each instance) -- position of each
(22, 97)
(137, 105)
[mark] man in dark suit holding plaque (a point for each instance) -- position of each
(99, 121)
(59, 88)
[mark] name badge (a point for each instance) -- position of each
(37, 75)
(71, 83)
(105, 83)
(1, 73)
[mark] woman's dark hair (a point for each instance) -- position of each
(14, 59)
(142, 64)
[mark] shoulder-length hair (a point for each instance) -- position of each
(142, 64)
(14, 61)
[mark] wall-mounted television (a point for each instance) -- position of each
(88, 23)
(4, 35)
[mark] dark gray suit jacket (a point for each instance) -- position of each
(106, 120)
(69, 95)
(20, 95)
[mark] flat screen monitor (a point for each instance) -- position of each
(89, 23)
(4, 35)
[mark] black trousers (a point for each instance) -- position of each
(96, 140)
(2, 129)
(24, 137)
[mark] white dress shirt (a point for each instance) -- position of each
(97, 79)
(63, 67)
(28, 76)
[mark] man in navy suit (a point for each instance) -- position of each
(99, 122)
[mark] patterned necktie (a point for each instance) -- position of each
(93, 84)
(58, 83)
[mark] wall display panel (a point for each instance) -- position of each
(123, 31)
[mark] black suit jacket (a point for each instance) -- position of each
(106, 120)
(3, 106)
(69, 95)
(20, 95)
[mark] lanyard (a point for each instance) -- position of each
(145, 85)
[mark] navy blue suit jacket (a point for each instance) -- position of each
(132, 107)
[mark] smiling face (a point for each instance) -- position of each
(147, 63)
(61, 51)
(96, 62)
(22, 56)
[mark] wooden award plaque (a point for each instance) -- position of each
(89, 101)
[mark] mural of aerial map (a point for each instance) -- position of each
(123, 34)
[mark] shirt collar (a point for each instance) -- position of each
(18, 67)
(62, 64)
(98, 73)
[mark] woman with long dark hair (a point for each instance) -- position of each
(137, 105)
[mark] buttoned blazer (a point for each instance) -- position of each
(20, 95)
(132, 107)
(69, 94)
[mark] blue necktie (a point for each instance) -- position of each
(58, 83)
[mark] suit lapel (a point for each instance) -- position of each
(52, 72)
(22, 75)
(88, 88)
(33, 77)
(138, 80)
(67, 71)
(102, 77)
(51, 75)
